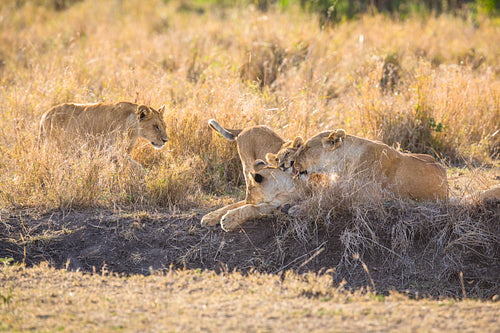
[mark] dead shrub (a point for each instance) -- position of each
(471, 59)
(417, 242)
(267, 60)
(390, 73)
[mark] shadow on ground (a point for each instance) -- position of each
(141, 242)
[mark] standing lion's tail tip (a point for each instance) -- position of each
(214, 125)
(221, 130)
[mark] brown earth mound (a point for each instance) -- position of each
(419, 249)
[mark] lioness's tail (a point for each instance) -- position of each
(229, 134)
(492, 194)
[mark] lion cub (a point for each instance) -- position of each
(253, 143)
(283, 159)
(113, 121)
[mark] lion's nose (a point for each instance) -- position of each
(164, 140)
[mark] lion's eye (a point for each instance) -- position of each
(156, 127)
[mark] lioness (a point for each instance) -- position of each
(490, 194)
(253, 144)
(415, 176)
(268, 188)
(112, 120)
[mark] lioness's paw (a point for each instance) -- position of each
(209, 220)
(295, 211)
(290, 210)
(284, 208)
(228, 222)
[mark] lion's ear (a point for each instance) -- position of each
(272, 158)
(162, 110)
(334, 139)
(297, 142)
(259, 165)
(142, 112)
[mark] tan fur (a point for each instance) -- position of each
(414, 176)
(284, 158)
(267, 189)
(253, 144)
(270, 188)
(114, 121)
(492, 194)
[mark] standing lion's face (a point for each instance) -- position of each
(283, 159)
(151, 125)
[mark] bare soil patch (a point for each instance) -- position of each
(141, 242)
(138, 242)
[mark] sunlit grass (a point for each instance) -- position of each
(241, 67)
(42, 298)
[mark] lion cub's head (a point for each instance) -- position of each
(284, 158)
(151, 125)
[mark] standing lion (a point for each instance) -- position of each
(111, 121)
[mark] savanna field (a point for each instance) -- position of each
(87, 245)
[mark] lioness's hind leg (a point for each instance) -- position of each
(214, 217)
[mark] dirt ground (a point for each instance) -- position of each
(140, 242)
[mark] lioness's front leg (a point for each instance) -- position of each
(215, 217)
(235, 217)
(134, 165)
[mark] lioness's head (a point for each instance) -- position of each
(151, 125)
(312, 155)
(268, 184)
(284, 158)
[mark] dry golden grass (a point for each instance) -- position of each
(241, 67)
(44, 299)
(244, 67)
